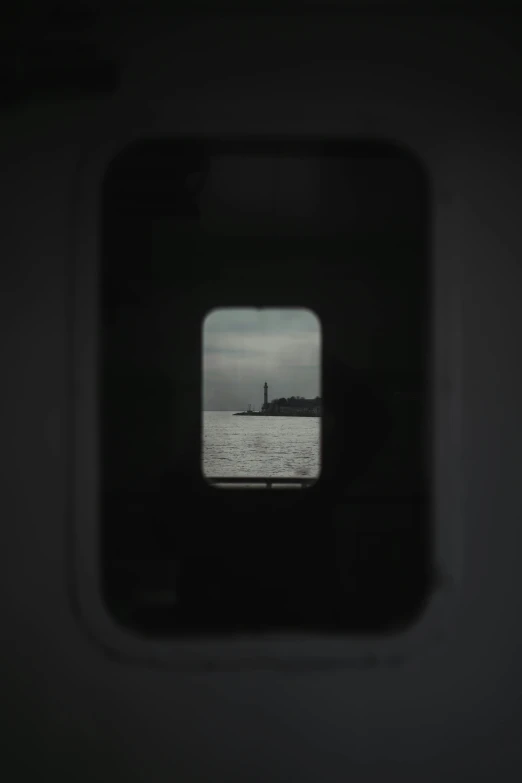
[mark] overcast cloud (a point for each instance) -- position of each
(244, 348)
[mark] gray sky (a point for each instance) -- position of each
(244, 348)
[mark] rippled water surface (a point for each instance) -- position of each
(260, 446)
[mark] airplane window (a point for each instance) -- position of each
(268, 434)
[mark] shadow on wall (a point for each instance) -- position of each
(357, 419)
(137, 440)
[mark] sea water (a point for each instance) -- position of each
(260, 446)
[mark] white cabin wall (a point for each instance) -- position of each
(70, 713)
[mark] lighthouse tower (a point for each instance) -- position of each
(265, 406)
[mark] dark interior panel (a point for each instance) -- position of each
(339, 227)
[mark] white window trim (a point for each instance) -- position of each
(284, 651)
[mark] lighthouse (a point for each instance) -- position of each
(265, 406)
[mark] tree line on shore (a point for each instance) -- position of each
(293, 400)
